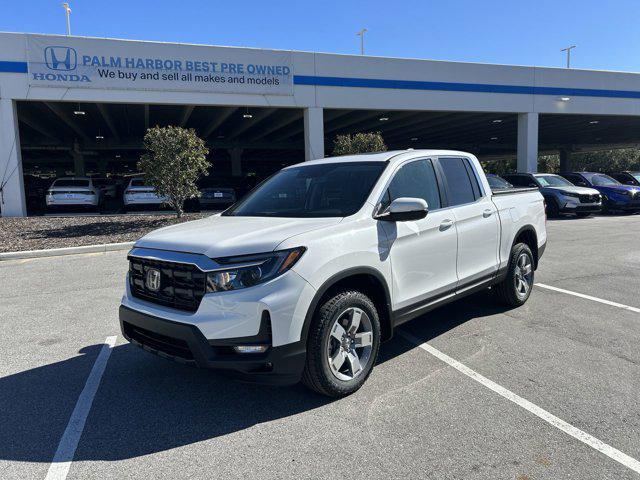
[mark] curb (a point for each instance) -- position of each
(57, 252)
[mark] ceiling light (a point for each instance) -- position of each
(99, 137)
(79, 112)
(497, 120)
(493, 138)
(118, 156)
(594, 122)
(413, 139)
(383, 119)
(565, 99)
(247, 114)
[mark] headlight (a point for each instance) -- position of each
(249, 270)
(569, 194)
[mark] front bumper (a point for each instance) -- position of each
(632, 206)
(185, 343)
(574, 206)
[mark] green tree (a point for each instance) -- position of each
(175, 159)
(358, 143)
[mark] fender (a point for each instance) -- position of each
(333, 280)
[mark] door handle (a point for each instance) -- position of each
(446, 224)
(487, 213)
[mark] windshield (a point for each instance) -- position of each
(71, 183)
(636, 175)
(553, 181)
(325, 190)
(601, 180)
(498, 182)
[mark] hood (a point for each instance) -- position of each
(618, 188)
(219, 236)
(573, 189)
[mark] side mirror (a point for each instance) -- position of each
(404, 209)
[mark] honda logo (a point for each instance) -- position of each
(61, 58)
(153, 279)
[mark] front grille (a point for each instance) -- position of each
(589, 198)
(173, 347)
(182, 286)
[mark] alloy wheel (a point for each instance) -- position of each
(350, 344)
(523, 275)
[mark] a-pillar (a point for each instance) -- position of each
(236, 161)
(12, 199)
(313, 133)
(527, 142)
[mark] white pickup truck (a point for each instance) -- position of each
(308, 274)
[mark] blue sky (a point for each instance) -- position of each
(509, 32)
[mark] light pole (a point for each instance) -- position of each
(361, 35)
(568, 50)
(67, 10)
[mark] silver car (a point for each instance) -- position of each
(139, 194)
(561, 195)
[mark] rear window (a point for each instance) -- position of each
(65, 182)
(138, 182)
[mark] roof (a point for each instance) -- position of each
(383, 156)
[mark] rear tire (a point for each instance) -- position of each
(515, 289)
(336, 366)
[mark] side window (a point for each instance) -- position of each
(416, 179)
(459, 187)
(573, 178)
(474, 181)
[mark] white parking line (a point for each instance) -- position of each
(59, 469)
(589, 297)
(567, 428)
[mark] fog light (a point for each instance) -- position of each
(251, 348)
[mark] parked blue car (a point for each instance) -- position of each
(615, 195)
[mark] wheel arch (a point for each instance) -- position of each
(529, 237)
(369, 281)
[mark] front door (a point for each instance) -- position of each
(422, 252)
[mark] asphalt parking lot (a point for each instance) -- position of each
(573, 358)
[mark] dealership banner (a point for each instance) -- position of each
(110, 64)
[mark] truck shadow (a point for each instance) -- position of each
(146, 404)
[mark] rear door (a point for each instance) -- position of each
(423, 252)
(476, 221)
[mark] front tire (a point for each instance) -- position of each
(553, 211)
(515, 289)
(343, 344)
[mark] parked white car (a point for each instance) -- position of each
(139, 194)
(73, 192)
(309, 273)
